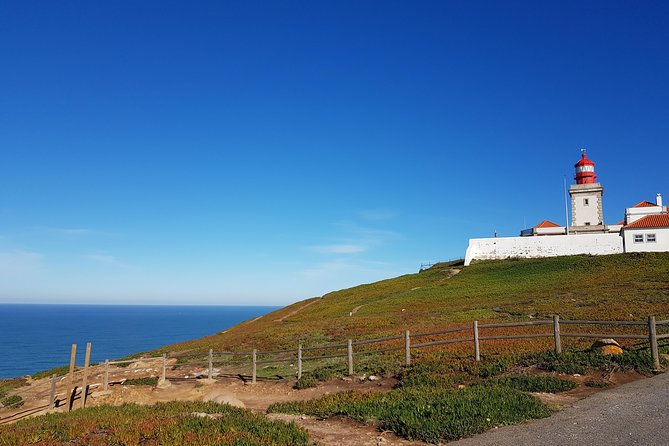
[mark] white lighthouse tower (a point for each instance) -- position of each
(587, 213)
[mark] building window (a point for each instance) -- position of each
(650, 238)
(638, 238)
(586, 202)
(587, 223)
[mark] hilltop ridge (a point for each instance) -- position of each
(621, 287)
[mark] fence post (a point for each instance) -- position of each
(407, 348)
(299, 361)
(255, 354)
(350, 357)
(70, 381)
(556, 333)
(52, 394)
(652, 338)
(105, 380)
(210, 374)
(163, 375)
(84, 384)
(477, 351)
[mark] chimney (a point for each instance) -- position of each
(658, 200)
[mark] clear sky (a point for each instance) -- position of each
(262, 152)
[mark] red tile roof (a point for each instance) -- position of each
(621, 222)
(650, 221)
(644, 204)
(547, 224)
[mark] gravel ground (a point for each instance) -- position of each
(634, 413)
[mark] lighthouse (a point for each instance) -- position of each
(587, 214)
(585, 170)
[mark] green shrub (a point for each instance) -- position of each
(428, 373)
(426, 413)
(150, 381)
(572, 362)
(638, 360)
(329, 371)
(446, 371)
(12, 401)
(489, 367)
(305, 382)
(531, 383)
(377, 364)
(7, 385)
(320, 374)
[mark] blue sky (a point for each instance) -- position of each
(257, 152)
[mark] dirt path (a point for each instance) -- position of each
(293, 313)
(341, 431)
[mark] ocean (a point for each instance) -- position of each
(39, 337)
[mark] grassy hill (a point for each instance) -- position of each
(619, 287)
(444, 395)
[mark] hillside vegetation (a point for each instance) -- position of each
(173, 423)
(616, 287)
(445, 394)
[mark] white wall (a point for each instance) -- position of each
(550, 231)
(633, 214)
(547, 246)
(661, 243)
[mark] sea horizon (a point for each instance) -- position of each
(39, 336)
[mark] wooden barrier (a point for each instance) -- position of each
(402, 342)
(84, 383)
(70, 386)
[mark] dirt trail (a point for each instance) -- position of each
(341, 431)
(294, 312)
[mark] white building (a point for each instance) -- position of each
(645, 228)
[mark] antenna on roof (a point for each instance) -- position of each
(566, 211)
(583, 150)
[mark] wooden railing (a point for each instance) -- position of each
(471, 333)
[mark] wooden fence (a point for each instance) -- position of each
(475, 338)
(471, 333)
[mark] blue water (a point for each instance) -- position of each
(39, 337)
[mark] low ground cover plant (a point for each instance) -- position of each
(6, 386)
(580, 362)
(575, 287)
(320, 374)
(531, 383)
(58, 371)
(378, 364)
(149, 381)
(426, 413)
(12, 401)
(444, 396)
(177, 423)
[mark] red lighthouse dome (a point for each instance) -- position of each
(585, 170)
